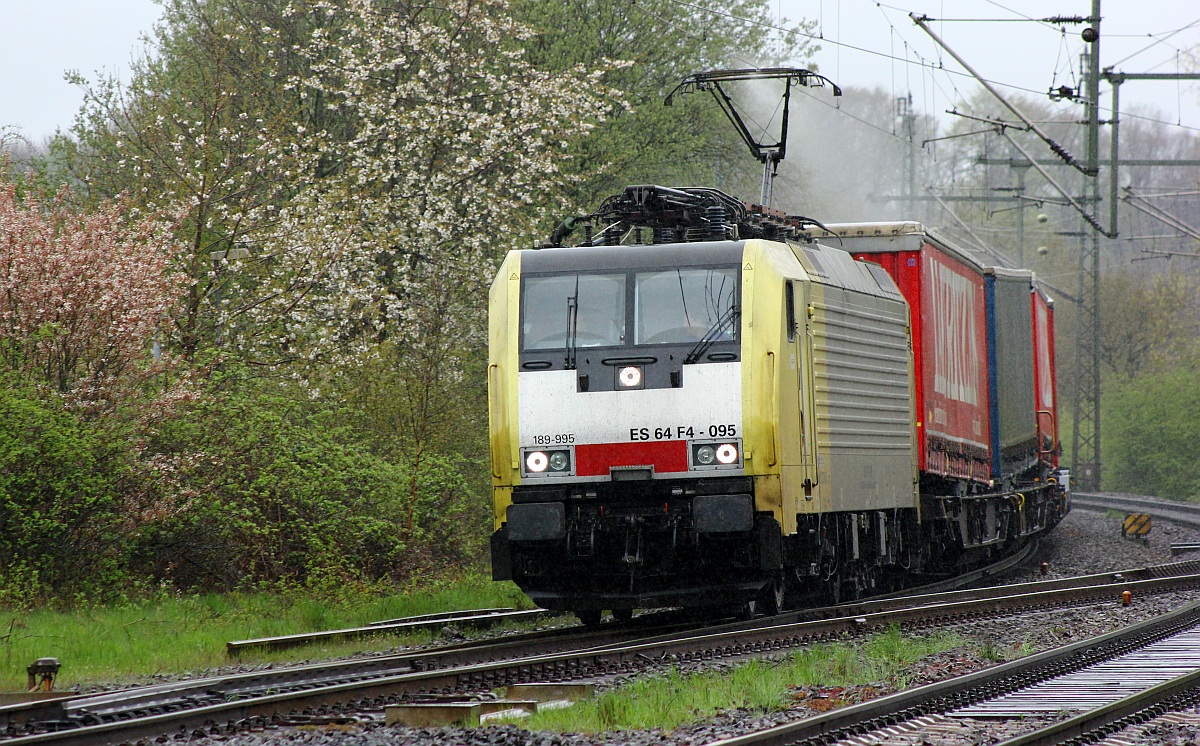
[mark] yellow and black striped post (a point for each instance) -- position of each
(1136, 526)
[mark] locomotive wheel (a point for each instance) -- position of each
(589, 617)
(774, 596)
(622, 616)
(797, 590)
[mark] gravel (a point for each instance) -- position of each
(1084, 543)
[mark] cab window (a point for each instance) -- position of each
(682, 305)
(596, 300)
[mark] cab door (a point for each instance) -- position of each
(796, 420)
(805, 382)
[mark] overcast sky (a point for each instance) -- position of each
(41, 39)
(865, 44)
(877, 44)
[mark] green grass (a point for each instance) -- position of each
(127, 642)
(675, 699)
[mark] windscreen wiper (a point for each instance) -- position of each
(727, 319)
(572, 326)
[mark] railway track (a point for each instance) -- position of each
(299, 694)
(1139, 678)
(1103, 683)
(158, 699)
(1121, 692)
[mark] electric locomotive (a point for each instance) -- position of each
(702, 406)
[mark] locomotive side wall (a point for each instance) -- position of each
(503, 304)
(861, 376)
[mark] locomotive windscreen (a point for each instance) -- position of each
(666, 306)
(681, 305)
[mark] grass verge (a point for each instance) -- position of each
(130, 641)
(675, 699)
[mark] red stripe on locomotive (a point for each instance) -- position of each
(594, 460)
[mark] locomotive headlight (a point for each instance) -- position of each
(537, 462)
(630, 376)
(727, 453)
(715, 454)
(559, 461)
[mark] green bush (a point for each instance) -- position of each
(61, 528)
(1152, 430)
(235, 489)
(249, 489)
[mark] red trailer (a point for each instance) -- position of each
(1046, 378)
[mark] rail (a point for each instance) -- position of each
(945, 696)
(475, 619)
(1171, 695)
(1185, 514)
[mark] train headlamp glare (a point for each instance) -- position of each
(559, 461)
(536, 462)
(705, 455)
(727, 453)
(630, 376)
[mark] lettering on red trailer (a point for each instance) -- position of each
(955, 364)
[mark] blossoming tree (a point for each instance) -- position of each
(82, 295)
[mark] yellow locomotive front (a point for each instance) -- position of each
(618, 455)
